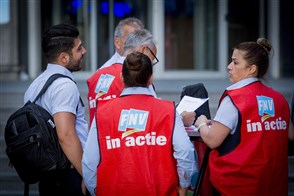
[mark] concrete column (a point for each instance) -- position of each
(34, 38)
(93, 37)
(158, 33)
(223, 35)
(56, 11)
(199, 35)
(274, 35)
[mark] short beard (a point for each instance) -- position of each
(74, 65)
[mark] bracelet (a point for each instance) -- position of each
(198, 128)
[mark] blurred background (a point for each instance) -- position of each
(194, 37)
(194, 44)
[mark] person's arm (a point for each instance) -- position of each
(64, 100)
(91, 159)
(184, 153)
(65, 123)
(214, 132)
(182, 191)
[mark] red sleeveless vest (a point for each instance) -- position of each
(106, 83)
(135, 140)
(254, 160)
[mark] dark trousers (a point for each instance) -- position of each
(215, 192)
(290, 148)
(64, 183)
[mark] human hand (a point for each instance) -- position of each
(188, 118)
(182, 191)
(202, 119)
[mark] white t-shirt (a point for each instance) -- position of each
(61, 96)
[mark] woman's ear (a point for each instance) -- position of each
(253, 70)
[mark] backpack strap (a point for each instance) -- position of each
(48, 83)
(26, 189)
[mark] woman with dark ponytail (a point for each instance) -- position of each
(249, 134)
(143, 146)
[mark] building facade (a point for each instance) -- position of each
(194, 37)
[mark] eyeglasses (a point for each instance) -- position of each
(155, 60)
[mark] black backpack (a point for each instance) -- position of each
(31, 140)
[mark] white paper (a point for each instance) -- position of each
(190, 104)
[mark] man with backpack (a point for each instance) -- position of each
(64, 51)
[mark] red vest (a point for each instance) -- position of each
(254, 160)
(106, 83)
(135, 141)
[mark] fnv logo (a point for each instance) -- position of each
(132, 121)
(266, 108)
(103, 84)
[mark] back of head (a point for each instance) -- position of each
(134, 22)
(257, 53)
(138, 38)
(57, 39)
(137, 70)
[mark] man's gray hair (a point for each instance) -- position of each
(138, 38)
(131, 21)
